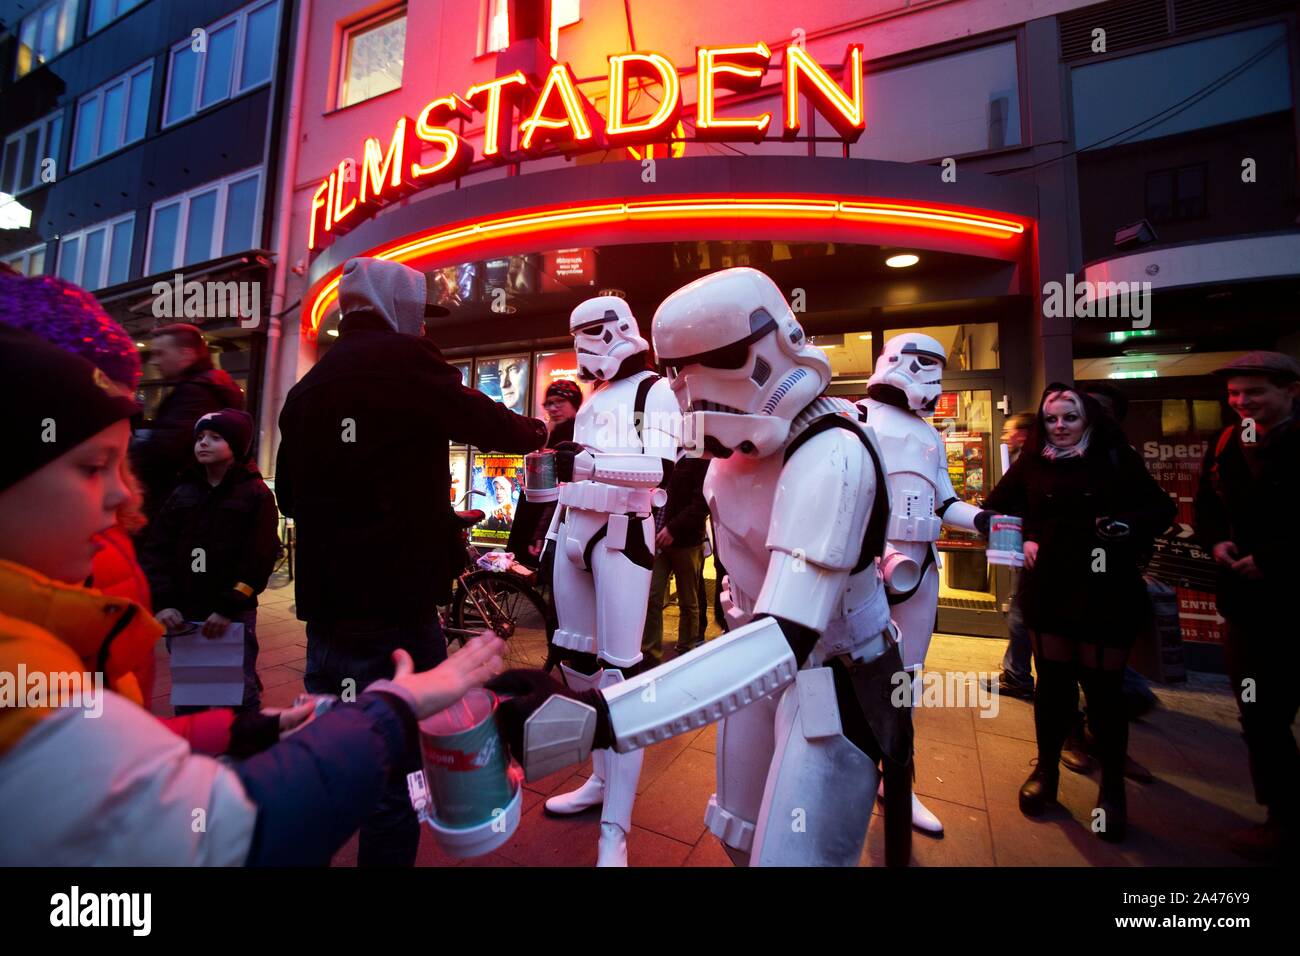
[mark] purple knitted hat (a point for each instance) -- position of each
(68, 316)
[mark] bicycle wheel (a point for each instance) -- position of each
(509, 606)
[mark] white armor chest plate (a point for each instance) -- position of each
(605, 421)
(740, 493)
(916, 464)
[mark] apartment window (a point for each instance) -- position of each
(99, 255)
(44, 33)
(238, 54)
(104, 12)
(25, 152)
(374, 53)
(1176, 194)
(29, 262)
(216, 219)
(1188, 86)
(965, 102)
(113, 116)
(564, 13)
(495, 35)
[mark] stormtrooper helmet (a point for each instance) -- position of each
(604, 333)
(913, 363)
(738, 362)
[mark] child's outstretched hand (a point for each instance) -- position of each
(472, 665)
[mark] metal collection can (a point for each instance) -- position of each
(1006, 541)
(540, 482)
(465, 761)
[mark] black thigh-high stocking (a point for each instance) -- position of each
(1102, 677)
(1055, 696)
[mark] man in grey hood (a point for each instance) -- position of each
(363, 470)
(388, 291)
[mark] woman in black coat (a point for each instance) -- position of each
(1090, 512)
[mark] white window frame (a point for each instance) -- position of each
(486, 22)
(218, 217)
(44, 150)
(239, 17)
(129, 79)
(37, 59)
(22, 259)
(120, 9)
(379, 19)
(107, 226)
(486, 43)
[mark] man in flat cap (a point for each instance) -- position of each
(1246, 514)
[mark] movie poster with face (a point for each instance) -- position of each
(497, 481)
(504, 379)
(458, 458)
(552, 367)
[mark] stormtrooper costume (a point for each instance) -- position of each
(603, 534)
(904, 386)
(802, 680)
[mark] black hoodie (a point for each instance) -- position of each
(363, 470)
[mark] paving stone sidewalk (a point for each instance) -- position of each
(969, 768)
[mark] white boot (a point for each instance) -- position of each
(590, 794)
(922, 818)
(612, 849)
(622, 771)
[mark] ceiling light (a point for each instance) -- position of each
(902, 261)
(865, 338)
(1139, 373)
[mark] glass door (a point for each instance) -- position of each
(969, 420)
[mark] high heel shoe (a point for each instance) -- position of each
(1039, 791)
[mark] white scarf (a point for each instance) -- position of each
(1053, 452)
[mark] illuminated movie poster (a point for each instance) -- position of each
(463, 368)
(497, 481)
(551, 367)
(459, 461)
(505, 380)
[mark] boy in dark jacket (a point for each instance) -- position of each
(213, 545)
(161, 451)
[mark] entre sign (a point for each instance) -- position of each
(556, 114)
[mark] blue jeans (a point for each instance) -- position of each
(361, 651)
(1016, 661)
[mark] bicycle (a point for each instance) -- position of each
(502, 601)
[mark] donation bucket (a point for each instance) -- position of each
(1006, 541)
(475, 799)
(540, 483)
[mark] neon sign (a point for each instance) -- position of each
(447, 241)
(555, 114)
